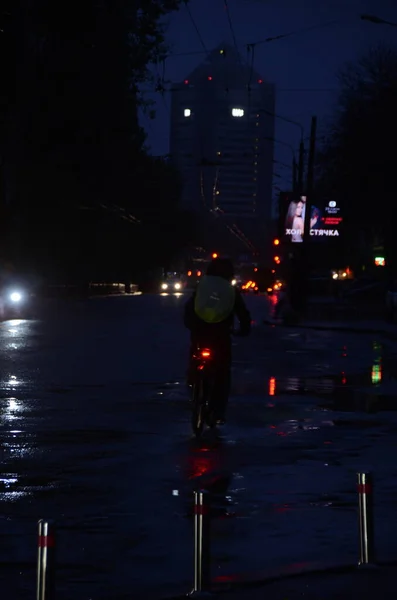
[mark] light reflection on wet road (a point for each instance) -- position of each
(92, 436)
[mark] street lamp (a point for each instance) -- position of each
(377, 20)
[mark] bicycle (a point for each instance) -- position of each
(205, 374)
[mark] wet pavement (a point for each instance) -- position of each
(364, 584)
(95, 433)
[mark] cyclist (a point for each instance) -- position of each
(209, 315)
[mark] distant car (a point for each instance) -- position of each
(15, 303)
(250, 287)
(237, 282)
(172, 285)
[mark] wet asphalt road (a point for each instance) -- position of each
(95, 433)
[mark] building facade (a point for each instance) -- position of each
(221, 141)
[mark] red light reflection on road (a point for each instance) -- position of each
(272, 386)
(225, 578)
(201, 463)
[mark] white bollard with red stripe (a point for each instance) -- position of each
(45, 561)
(202, 541)
(366, 519)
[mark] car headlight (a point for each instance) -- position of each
(234, 281)
(177, 286)
(164, 286)
(15, 297)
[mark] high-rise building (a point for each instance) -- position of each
(222, 130)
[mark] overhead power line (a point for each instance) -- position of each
(229, 19)
(278, 90)
(193, 21)
(268, 39)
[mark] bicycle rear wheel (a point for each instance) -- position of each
(198, 407)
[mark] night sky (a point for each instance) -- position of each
(302, 66)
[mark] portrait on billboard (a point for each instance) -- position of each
(316, 217)
(325, 220)
(294, 228)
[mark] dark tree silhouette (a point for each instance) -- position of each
(79, 190)
(358, 161)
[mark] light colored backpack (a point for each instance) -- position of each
(215, 298)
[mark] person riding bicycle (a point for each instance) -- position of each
(209, 315)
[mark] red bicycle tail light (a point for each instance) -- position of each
(205, 353)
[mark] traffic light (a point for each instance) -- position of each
(276, 242)
(214, 255)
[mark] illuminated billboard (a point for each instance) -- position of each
(294, 224)
(325, 220)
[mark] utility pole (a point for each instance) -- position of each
(305, 250)
(301, 166)
(294, 176)
(312, 153)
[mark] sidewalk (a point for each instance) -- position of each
(364, 326)
(322, 323)
(366, 584)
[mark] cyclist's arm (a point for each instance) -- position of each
(242, 314)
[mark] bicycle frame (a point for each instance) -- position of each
(202, 387)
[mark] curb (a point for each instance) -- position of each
(342, 329)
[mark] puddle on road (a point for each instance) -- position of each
(373, 389)
(341, 392)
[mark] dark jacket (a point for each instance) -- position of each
(217, 331)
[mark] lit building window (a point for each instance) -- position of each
(237, 112)
(187, 112)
